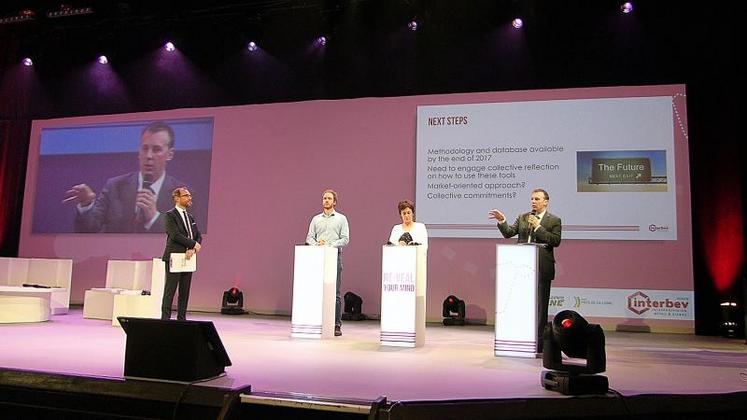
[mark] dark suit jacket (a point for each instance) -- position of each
(177, 236)
(548, 233)
(114, 208)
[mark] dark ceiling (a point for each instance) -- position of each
(460, 46)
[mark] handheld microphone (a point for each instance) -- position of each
(529, 227)
(531, 213)
(147, 182)
(406, 238)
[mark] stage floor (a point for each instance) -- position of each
(455, 363)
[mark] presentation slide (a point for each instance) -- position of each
(90, 176)
(607, 164)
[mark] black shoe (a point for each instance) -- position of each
(338, 331)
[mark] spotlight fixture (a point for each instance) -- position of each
(453, 311)
(103, 60)
(169, 46)
(353, 309)
(27, 61)
(322, 40)
(67, 10)
(252, 46)
(517, 23)
(233, 302)
(729, 327)
(413, 25)
(572, 335)
(22, 16)
(626, 7)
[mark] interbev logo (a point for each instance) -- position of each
(640, 303)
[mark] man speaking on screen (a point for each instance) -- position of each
(544, 229)
(133, 202)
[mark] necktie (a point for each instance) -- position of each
(186, 223)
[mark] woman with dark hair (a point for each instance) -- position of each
(409, 232)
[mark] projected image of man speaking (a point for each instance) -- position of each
(132, 202)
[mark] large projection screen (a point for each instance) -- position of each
(107, 158)
(265, 167)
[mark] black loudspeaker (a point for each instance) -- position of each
(181, 351)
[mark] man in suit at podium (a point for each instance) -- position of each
(330, 228)
(133, 202)
(182, 236)
(543, 228)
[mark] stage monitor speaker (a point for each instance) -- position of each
(181, 351)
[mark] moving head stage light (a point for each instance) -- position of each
(233, 302)
(571, 334)
(353, 309)
(453, 312)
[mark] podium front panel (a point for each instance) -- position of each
(516, 301)
(403, 286)
(314, 292)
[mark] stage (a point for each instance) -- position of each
(456, 363)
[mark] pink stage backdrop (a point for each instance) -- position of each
(270, 164)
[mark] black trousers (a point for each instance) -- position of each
(174, 280)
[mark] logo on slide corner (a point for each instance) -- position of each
(654, 228)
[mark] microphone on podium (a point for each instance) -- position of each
(406, 238)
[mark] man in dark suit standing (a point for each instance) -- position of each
(543, 228)
(132, 202)
(182, 236)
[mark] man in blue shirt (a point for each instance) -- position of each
(330, 228)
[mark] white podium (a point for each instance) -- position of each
(403, 285)
(516, 300)
(314, 292)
